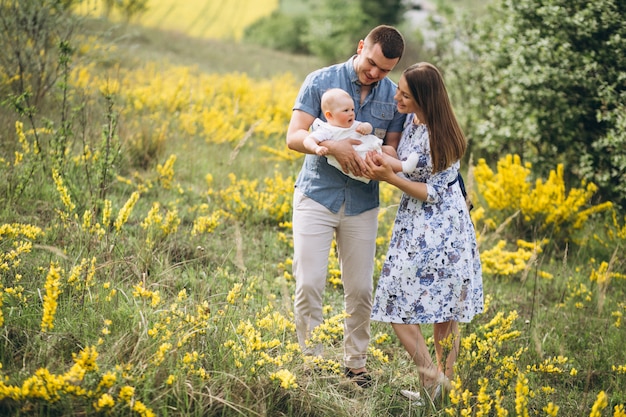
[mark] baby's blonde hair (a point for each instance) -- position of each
(331, 97)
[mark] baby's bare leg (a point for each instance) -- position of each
(390, 150)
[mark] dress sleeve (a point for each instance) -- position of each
(439, 183)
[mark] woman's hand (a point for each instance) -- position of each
(378, 167)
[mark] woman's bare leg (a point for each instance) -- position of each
(411, 337)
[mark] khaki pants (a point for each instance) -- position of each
(314, 228)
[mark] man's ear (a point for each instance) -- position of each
(359, 47)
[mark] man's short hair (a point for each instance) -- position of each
(390, 40)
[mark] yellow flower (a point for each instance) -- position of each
(50, 298)
(105, 401)
(234, 293)
(551, 409)
(126, 393)
(599, 405)
(286, 378)
(124, 213)
(63, 191)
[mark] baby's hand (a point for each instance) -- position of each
(321, 150)
(364, 128)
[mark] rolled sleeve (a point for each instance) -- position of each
(439, 183)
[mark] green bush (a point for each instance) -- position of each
(279, 31)
(545, 80)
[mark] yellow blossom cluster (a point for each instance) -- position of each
(499, 261)
(19, 238)
(483, 352)
(53, 281)
(546, 205)
(87, 268)
(550, 365)
(247, 201)
(285, 377)
(140, 291)
(217, 108)
(330, 331)
(51, 388)
(504, 189)
(126, 210)
(159, 227)
(64, 194)
(166, 172)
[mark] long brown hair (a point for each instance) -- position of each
(447, 141)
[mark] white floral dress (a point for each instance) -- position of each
(432, 271)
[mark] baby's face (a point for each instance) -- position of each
(343, 112)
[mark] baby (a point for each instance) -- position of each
(338, 108)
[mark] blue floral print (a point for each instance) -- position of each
(432, 272)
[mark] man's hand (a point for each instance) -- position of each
(348, 158)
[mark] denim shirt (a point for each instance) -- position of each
(318, 179)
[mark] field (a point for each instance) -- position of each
(145, 258)
(208, 19)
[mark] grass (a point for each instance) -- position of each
(200, 324)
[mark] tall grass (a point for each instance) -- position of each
(171, 293)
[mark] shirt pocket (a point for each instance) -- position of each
(383, 112)
(381, 117)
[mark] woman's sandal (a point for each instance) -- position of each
(362, 379)
(432, 394)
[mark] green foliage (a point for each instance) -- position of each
(335, 26)
(328, 29)
(388, 12)
(279, 31)
(545, 80)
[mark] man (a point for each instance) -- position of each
(328, 203)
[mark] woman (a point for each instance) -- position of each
(432, 272)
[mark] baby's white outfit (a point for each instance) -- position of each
(324, 131)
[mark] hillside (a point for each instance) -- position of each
(134, 43)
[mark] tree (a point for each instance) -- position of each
(546, 79)
(334, 28)
(388, 12)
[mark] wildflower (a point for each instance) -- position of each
(63, 191)
(124, 213)
(166, 172)
(234, 293)
(50, 298)
(106, 213)
(141, 409)
(521, 396)
(107, 380)
(621, 369)
(109, 88)
(286, 378)
(105, 401)
(599, 405)
(378, 354)
(126, 393)
(1, 314)
(551, 409)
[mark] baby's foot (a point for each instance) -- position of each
(410, 164)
